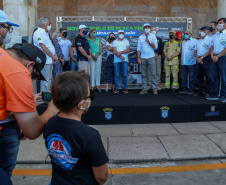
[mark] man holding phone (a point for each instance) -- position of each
(19, 65)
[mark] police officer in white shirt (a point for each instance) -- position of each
(218, 66)
(147, 44)
(65, 46)
(188, 62)
(43, 41)
(202, 55)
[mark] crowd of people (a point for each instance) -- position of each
(76, 150)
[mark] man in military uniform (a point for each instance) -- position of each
(171, 51)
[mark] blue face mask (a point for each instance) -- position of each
(186, 37)
(85, 32)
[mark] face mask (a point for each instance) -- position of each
(8, 38)
(64, 34)
(153, 32)
(172, 36)
(121, 36)
(186, 37)
(147, 30)
(220, 27)
(84, 32)
(211, 29)
(49, 27)
(58, 39)
(202, 34)
(112, 38)
(95, 34)
(86, 108)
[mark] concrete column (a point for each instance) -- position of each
(24, 13)
(221, 10)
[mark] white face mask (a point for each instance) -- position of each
(121, 36)
(147, 30)
(8, 38)
(49, 27)
(202, 34)
(58, 39)
(153, 32)
(220, 27)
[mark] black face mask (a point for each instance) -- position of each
(85, 32)
(64, 34)
(172, 36)
(112, 38)
(211, 29)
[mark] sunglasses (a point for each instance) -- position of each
(8, 27)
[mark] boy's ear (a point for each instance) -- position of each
(80, 104)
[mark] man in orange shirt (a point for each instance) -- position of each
(19, 65)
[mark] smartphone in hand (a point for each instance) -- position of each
(46, 96)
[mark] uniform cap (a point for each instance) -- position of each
(172, 31)
(179, 35)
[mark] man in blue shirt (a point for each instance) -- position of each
(203, 59)
(218, 55)
(147, 44)
(188, 62)
(121, 48)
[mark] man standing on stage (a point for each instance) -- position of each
(188, 62)
(202, 55)
(218, 55)
(171, 51)
(147, 44)
(121, 48)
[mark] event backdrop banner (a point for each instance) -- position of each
(132, 32)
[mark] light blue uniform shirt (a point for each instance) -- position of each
(121, 46)
(219, 42)
(188, 49)
(203, 45)
(146, 50)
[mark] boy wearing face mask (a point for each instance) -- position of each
(76, 150)
(171, 50)
(121, 48)
(65, 46)
(218, 66)
(147, 44)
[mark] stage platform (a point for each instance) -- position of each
(166, 107)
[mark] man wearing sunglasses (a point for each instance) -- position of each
(76, 150)
(19, 65)
(5, 28)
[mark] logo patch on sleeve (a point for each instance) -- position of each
(39, 39)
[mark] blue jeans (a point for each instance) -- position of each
(9, 146)
(188, 70)
(215, 69)
(118, 67)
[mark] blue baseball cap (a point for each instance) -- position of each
(4, 19)
(146, 24)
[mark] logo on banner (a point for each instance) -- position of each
(108, 113)
(165, 111)
(60, 152)
(212, 112)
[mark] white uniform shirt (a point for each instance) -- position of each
(121, 46)
(41, 36)
(146, 50)
(203, 45)
(109, 52)
(219, 42)
(65, 46)
(188, 49)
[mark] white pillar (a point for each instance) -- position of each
(24, 13)
(221, 10)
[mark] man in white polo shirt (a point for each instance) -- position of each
(147, 44)
(121, 48)
(43, 41)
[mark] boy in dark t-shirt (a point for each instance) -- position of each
(76, 150)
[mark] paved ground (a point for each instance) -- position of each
(147, 142)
